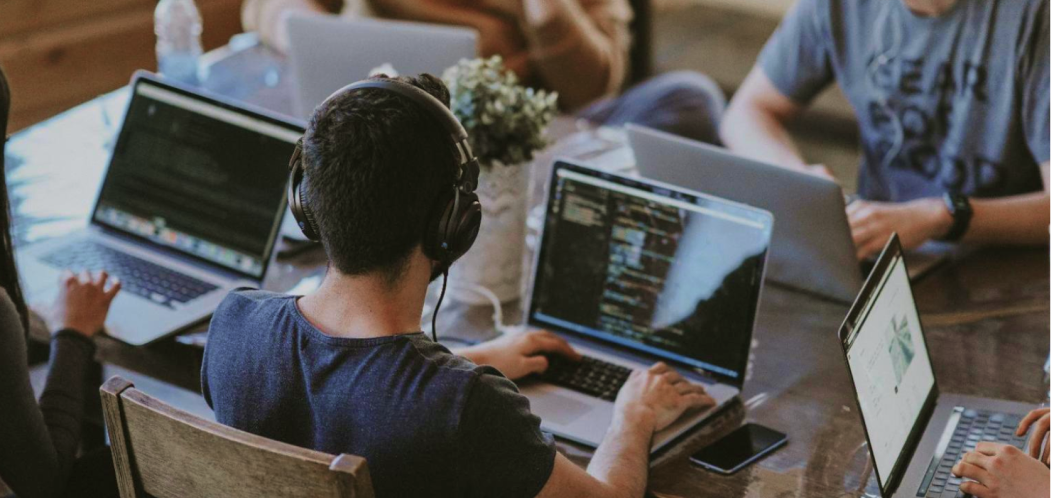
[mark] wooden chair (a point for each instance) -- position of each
(159, 451)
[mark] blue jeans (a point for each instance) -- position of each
(685, 103)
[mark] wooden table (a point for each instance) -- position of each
(985, 315)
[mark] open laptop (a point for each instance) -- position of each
(189, 209)
(915, 432)
(632, 272)
(812, 248)
(330, 52)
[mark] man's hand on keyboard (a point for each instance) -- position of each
(1039, 419)
(519, 355)
(83, 301)
(1002, 471)
(659, 394)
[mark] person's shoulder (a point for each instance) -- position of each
(246, 297)
(241, 305)
(469, 375)
(7, 305)
(10, 322)
(443, 359)
(490, 390)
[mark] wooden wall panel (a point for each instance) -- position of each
(21, 16)
(61, 61)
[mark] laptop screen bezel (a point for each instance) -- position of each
(650, 186)
(146, 78)
(892, 252)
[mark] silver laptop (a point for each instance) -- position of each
(812, 247)
(632, 272)
(189, 209)
(330, 52)
(915, 433)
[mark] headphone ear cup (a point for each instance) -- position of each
(453, 226)
(463, 227)
(297, 200)
(310, 228)
(434, 245)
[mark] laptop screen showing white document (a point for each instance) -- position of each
(666, 272)
(197, 176)
(889, 363)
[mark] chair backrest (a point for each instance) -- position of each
(164, 452)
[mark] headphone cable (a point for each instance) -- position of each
(441, 297)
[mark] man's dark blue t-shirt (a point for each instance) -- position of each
(428, 422)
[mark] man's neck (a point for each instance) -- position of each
(930, 8)
(366, 306)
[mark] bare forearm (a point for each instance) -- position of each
(1016, 220)
(267, 18)
(756, 134)
(621, 462)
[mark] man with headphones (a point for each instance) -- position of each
(951, 97)
(384, 178)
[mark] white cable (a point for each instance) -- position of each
(498, 310)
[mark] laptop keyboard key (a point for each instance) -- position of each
(590, 376)
(138, 276)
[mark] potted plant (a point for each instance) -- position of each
(505, 122)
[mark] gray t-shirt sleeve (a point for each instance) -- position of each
(1035, 88)
(796, 58)
(504, 451)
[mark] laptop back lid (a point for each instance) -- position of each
(811, 249)
(198, 177)
(330, 52)
(661, 271)
(889, 366)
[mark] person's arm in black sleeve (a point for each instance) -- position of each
(39, 441)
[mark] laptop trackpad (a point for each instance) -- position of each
(561, 410)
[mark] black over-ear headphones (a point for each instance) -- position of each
(452, 224)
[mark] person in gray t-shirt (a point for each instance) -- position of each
(952, 100)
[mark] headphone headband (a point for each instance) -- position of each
(467, 166)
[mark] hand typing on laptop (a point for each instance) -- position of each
(83, 301)
(1003, 470)
(519, 355)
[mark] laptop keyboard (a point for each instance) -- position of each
(973, 427)
(590, 376)
(140, 277)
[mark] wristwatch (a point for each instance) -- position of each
(959, 207)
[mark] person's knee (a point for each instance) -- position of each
(690, 85)
(686, 103)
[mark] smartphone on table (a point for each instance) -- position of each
(738, 449)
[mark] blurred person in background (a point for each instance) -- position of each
(951, 97)
(578, 48)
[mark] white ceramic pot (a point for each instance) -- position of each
(495, 261)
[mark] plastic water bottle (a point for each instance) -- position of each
(177, 24)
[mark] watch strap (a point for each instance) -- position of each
(959, 207)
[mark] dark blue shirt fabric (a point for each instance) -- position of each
(428, 422)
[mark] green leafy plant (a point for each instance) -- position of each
(505, 120)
